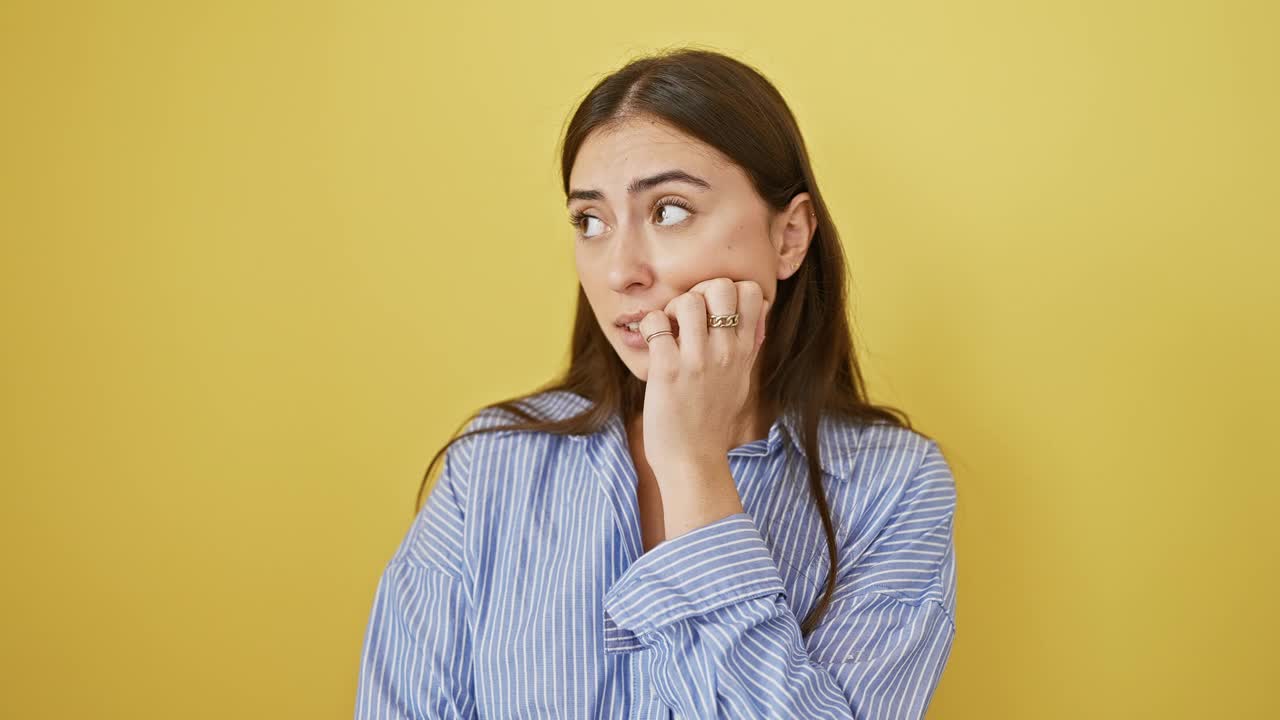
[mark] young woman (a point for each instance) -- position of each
(704, 517)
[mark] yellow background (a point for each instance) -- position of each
(261, 258)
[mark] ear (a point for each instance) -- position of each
(792, 231)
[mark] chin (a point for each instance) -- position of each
(639, 368)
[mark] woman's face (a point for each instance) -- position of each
(660, 212)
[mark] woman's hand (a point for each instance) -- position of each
(699, 382)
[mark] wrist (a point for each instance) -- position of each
(682, 515)
(696, 494)
(691, 474)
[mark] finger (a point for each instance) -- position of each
(750, 303)
(749, 295)
(663, 349)
(763, 327)
(690, 312)
(721, 297)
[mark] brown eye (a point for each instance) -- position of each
(576, 220)
(672, 209)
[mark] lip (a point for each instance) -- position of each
(634, 339)
(622, 320)
(630, 317)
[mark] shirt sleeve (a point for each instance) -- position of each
(416, 659)
(710, 608)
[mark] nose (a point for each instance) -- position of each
(629, 267)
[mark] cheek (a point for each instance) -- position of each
(588, 272)
(743, 254)
(594, 285)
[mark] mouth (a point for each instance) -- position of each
(634, 327)
(632, 338)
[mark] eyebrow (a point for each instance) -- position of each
(642, 184)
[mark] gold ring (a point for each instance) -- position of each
(723, 320)
(650, 336)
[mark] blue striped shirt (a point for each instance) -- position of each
(522, 590)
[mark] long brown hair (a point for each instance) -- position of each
(809, 362)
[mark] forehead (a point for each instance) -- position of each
(614, 155)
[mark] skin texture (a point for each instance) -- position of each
(637, 252)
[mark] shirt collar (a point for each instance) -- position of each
(837, 442)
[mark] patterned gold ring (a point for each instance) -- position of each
(723, 320)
